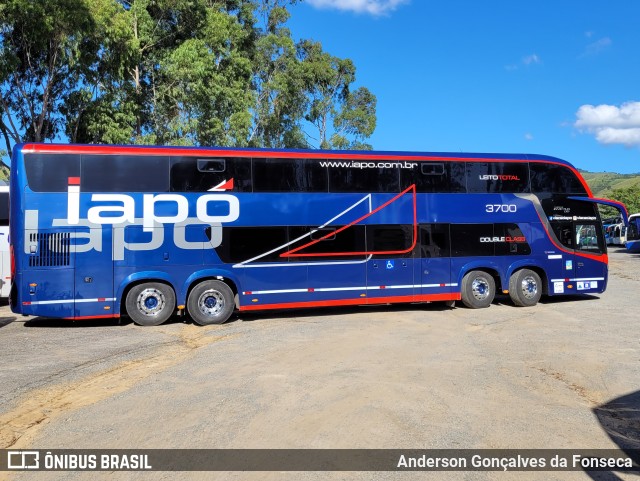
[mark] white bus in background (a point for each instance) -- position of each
(618, 234)
(5, 258)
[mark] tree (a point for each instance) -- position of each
(48, 48)
(330, 102)
(197, 72)
(629, 196)
(356, 120)
(203, 86)
(175, 72)
(278, 83)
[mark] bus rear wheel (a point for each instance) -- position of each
(210, 302)
(478, 289)
(150, 304)
(525, 288)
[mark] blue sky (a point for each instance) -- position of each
(560, 78)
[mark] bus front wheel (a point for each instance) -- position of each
(478, 289)
(525, 288)
(150, 304)
(210, 302)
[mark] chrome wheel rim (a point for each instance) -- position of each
(211, 303)
(151, 302)
(529, 287)
(480, 288)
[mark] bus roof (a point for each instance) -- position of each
(292, 153)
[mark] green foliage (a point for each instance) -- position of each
(4, 170)
(182, 72)
(602, 184)
(629, 196)
(327, 81)
(47, 50)
(624, 188)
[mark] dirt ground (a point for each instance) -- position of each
(408, 376)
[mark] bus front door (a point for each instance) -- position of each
(590, 274)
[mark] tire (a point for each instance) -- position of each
(478, 289)
(525, 288)
(210, 302)
(150, 304)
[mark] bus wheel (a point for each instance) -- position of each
(525, 288)
(150, 304)
(478, 289)
(210, 302)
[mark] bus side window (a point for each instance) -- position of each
(434, 240)
(587, 238)
(211, 165)
(41, 177)
(389, 238)
(350, 240)
(427, 176)
(514, 242)
(435, 177)
(124, 173)
(289, 175)
(364, 176)
(497, 177)
(564, 233)
(470, 240)
(197, 174)
(240, 244)
(552, 178)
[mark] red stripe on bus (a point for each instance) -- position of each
(84, 318)
(355, 302)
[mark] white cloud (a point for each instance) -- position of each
(596, 47)
(528, 136)
(611, 124)
(373, 7)
(527, 61)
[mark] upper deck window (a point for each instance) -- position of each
(124, 173)
(364, 176)
(51, 172)
(211, 165)
(556, 179)
(434, 177)
(193, 174)
(289, 175)
(497, 177)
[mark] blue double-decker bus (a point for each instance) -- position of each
(147, 232)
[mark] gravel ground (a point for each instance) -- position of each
(410, 376)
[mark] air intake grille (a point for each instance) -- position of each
(53, 249)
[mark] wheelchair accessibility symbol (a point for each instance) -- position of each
(390, 265)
